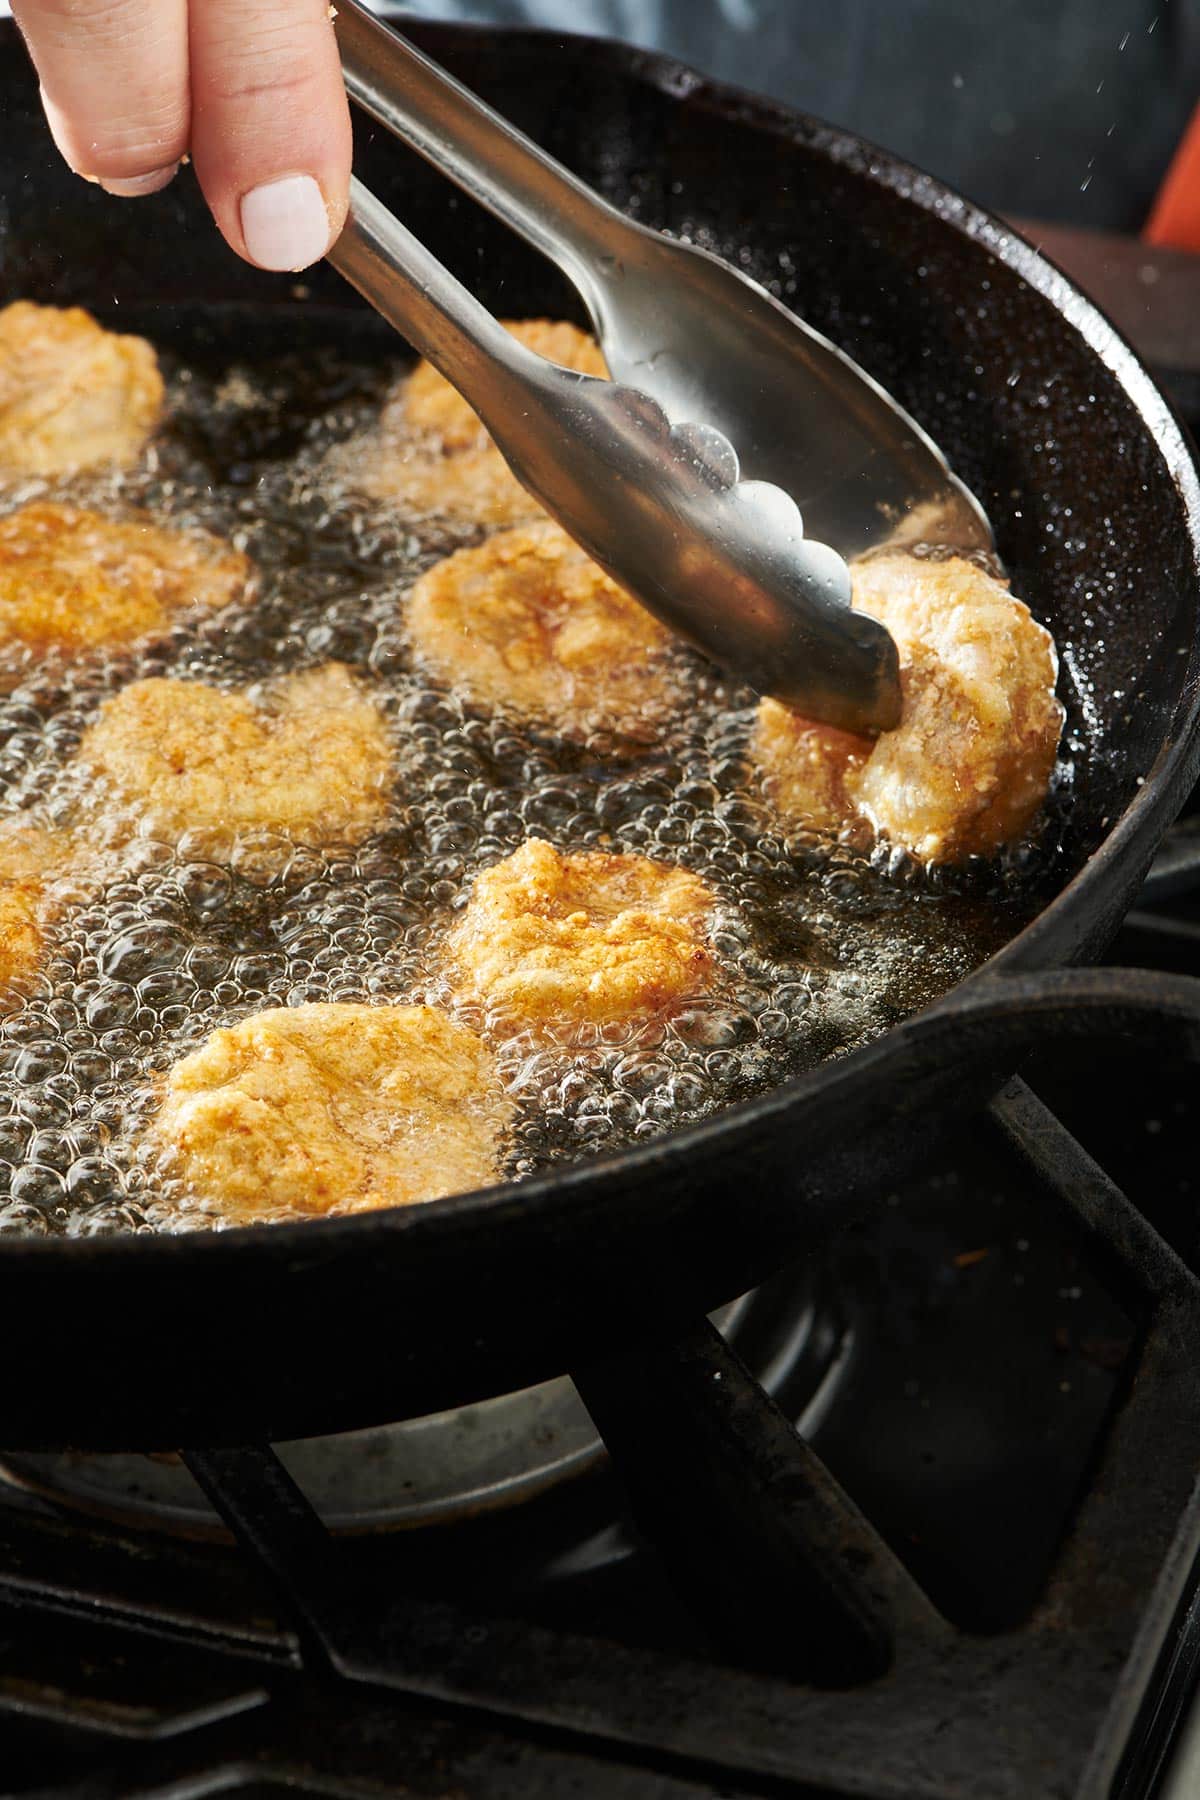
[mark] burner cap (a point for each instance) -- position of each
(448, 1465)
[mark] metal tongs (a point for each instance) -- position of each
(732, 450)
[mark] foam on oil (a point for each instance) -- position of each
(822, 946)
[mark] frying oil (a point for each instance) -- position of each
(822, 945)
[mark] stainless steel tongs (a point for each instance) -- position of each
(729, 433)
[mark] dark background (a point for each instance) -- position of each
(1057, 109)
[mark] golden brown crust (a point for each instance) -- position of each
(807, 767)
(434, 455)
(20, 931)
(309, 758)
(30, 857)
(550, 941)
(72, 395)
(968, 767)
(333, 1108)
(527, 621)
(475, 487)
(29, 851)
(72, 580)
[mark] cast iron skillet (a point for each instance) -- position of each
(283, 1331)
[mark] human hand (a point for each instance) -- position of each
(251, 88)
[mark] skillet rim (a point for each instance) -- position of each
(1050, 939)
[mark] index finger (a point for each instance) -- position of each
(114, 77)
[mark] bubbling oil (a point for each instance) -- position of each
(822, 946)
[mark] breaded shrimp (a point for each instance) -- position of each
(527, 621)
(809, 768)
(72, 395)
(308, 756)
(967, 769)
(334, 1108)
(30, 860)
(433, 454)
(552, 941)
(72, 580)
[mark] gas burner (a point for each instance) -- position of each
(455, 1465)
(422, 1471)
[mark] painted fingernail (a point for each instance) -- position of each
(138, 184)
(285, 223)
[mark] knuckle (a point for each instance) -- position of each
(283, 81)
(287, 89)
(265, 56)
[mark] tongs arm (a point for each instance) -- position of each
(487, 157)
(415, 292)
(724, 563)
(658, 503)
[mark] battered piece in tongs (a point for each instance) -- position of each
(729, 432)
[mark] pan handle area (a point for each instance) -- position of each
(1000, 1016)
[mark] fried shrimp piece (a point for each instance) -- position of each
(434, 454)
(72, 580)
(549, 940)
(810, 768)
(30, 860)
(72, 395)
(967, 769)
(528, 621)
(333, 1108)
(308, 756)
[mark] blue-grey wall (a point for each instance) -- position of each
(1067, 109)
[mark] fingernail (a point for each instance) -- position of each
(137, 184)
(285, 223)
